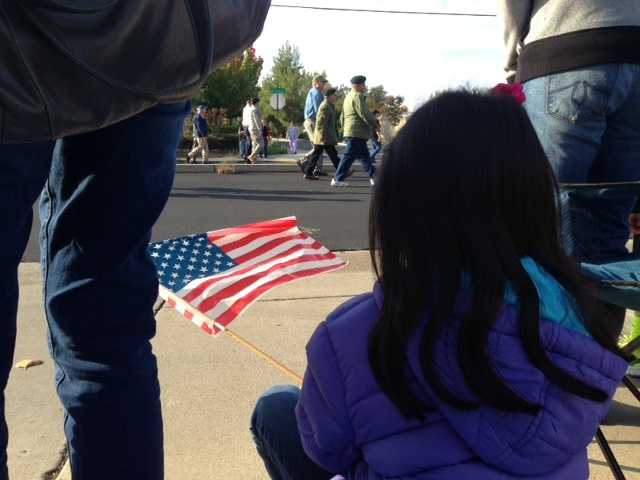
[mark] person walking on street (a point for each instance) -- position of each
(375, 139)
(266, 139)
(201, 129)
(246, 121)
(325, 136)
(311, 106)
(358, 123)
(243, 142)
(255, 130)
(292, 137)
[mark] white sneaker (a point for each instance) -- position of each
(634, 369)
(337, 183)
(372, 182)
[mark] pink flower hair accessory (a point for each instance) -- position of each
(515, 90)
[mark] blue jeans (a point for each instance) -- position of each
(377, 148)
(356, 148)
(588, 122)
(243, 147)
(275, 432)
(103, 191)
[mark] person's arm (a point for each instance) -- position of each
(516, 15)
(362, 109)
(323, 420)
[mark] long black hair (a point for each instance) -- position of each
(465, 187)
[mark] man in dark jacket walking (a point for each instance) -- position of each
(325, 136)
(201, 136)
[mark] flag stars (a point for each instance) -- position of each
(218, 262)
(203, 269)
(155, 255)
(177, 266)
(191, 268)
(183, 250)
(219, 255)
(193, 260)
(207, 254)
(180, 258)
(174, 275)
(167, 256)
(229, 264)
(164, 264)
(157, 246)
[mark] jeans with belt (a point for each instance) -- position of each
(588, 121)
(101, 194)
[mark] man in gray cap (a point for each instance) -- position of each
(358, 123)
(314, 98)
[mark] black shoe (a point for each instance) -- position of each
(310, 177)
(319, 173)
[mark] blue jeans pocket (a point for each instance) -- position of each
(579, 96)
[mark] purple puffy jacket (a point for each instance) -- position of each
(349, 426)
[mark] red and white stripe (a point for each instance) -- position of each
(268, 254)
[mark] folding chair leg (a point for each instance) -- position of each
(611, 459)
(631, 387)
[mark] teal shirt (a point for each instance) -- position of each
(556, 304)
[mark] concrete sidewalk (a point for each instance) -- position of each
(209, 386)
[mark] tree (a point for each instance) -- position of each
(393, 109)
(288, 73)
(376, 98)
(230, 86)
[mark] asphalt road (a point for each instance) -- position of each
(202, 202)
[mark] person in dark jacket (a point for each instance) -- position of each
(103, 167)
(201, 135)
(479, 354)
(325, 136)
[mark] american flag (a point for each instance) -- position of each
(213, 277)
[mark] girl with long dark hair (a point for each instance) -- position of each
(480, 353)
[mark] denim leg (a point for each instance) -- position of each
(348, 158)
(585, 122)
(105, 192)
(365, 158)
(377, 148)
(275, 431)
(23, 172)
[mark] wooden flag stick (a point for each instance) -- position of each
(276, 363)
(201, 317)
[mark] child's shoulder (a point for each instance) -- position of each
(357, 313)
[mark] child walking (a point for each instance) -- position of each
(292, 135)
(479, 354)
